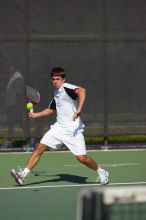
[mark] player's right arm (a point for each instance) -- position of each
(45, 112)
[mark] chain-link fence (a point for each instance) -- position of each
(100, 43)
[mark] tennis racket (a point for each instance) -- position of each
(33, 95)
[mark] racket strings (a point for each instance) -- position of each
(32, 94)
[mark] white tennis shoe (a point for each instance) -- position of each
(102, 177)
(18, 176)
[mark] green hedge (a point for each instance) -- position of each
(19, 141)
(117, 139)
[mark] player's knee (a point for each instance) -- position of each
(81, 158)
(40, 149)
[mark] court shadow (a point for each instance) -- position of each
(63, 178)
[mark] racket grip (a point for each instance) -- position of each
(31, 110)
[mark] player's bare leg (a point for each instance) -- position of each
(20, 175)
(34, 158)
(89, 162)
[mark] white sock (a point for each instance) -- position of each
(99, 169)
(25, 172)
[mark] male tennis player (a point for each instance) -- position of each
(67, 102)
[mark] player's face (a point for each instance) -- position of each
(57, 81)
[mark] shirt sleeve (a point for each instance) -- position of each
(71, 93)
(70, 86)
(52, 104)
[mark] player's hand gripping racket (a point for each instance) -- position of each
(33, 97)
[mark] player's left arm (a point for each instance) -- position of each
(81, 94)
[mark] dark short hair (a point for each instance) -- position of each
(58, 71)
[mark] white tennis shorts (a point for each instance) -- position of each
(57, 136)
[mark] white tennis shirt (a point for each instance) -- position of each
(65, 103)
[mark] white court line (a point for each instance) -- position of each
(60, 152)
(105, 165)
(74, 165)
(75, 185)
(120, 164)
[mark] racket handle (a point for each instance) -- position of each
(31, 110)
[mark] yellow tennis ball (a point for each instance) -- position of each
(29, 106)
